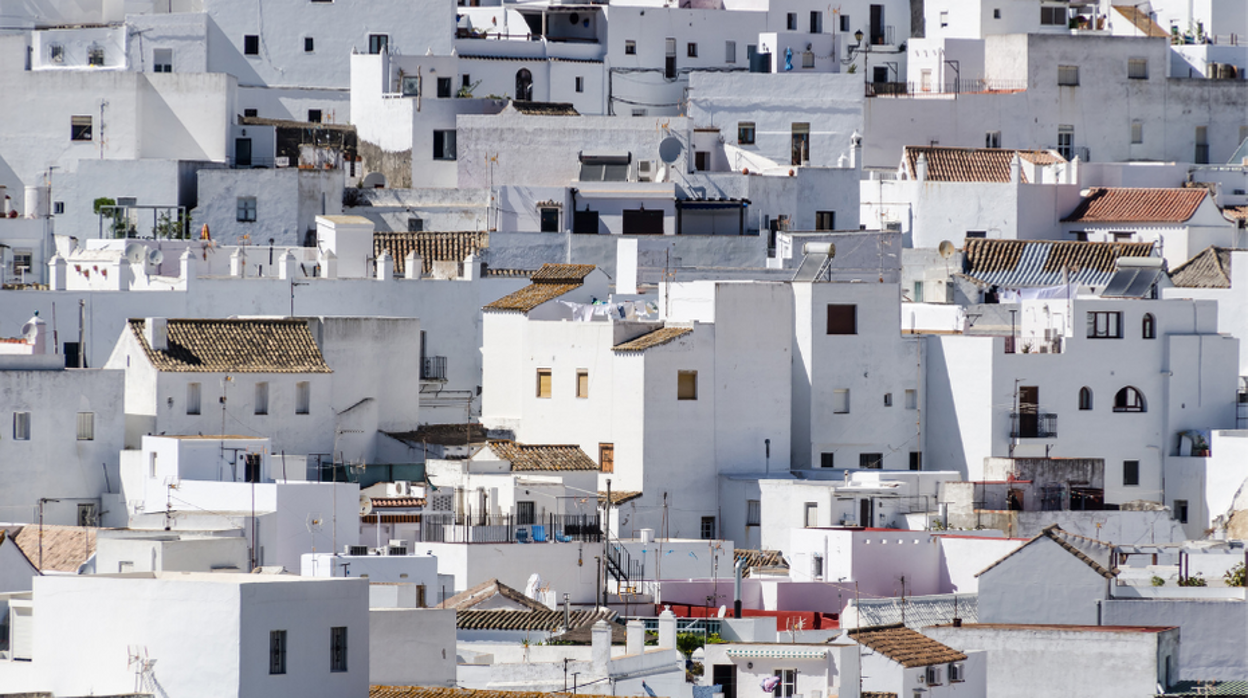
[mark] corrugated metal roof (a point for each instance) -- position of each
(1040, 263)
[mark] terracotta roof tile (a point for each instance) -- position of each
(618, 497)
(64, 548)
(544, 108)
(1128, 205)
(760, 558)
(542, 457)
(1019, 263)
(1235, 213)
(1081, 547)
(549, 282)
(236, 346)
(907, 647)
(397, 502)
(443, 434)
(972, 164)
(544, 620)
(431, 246)
(1209, 269)
(467, 600)
(653, 339)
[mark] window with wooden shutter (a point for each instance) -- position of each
(582, 383)
(543, 382)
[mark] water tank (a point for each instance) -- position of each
(37, 202)
(760, 63)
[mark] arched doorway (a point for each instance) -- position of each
(524, 85)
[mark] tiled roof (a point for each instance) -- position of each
(1184, 689)
(542, 457)
(1209, 269)
(545, 620)
(544, 108)
(440, 692)
(1092, 552)
(1235, 213)
(64, 548)
(549, 282)
(917, 611)
(972, 164)
(659, 337)
(878, 694)
(760, 558)
(397, 502)
(1026, 263)
(618, 497)
(907, 647)
(237, 346)
(430, 246)
(1127, 205)
(1141, 20)
(487, 270)
(443, 434)
(466, 600)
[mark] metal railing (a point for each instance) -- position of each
(508, 528)
(1033, 425)
(621, 565)
(959, 86)
(433, 368)
(166, 222)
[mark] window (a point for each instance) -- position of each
(1085, 398)
(944, 18)
(753, 512)
(415, 224)
(151, 466)
(686, 385)
(251, 45)
(745, 133)
(827, 460)
(844, 23)
(444, 88)
(303, 397)
(262, 398)
(871, 461)
(1122, 237)
(314, 116)
(86, 514)
(580, 84)
(1105, 325)
(925, 80)
(1180, 510)
(1130, 473)
(730, 52)
(58, 207)
(840, 401)
(816, 22)
(606, 458)
(957, 673)
(1129, 400)
(1137, 132)
(701, 160)
(1053, 16)
(977, 234)
(21, 426)
(1066, 141)
(811, 518)
(912, 399)
(338, 649)
(691, 50)
(543, 382)
(247, 209)
(888, 399)
(669, 60)
(309, 44)
(791, 21)
(708, 528)
(79, 128)
(630, 47)
(933, 676)
(992, 139)
(842, 319)
(251, 112)
(378, 43)
(549, 216)
(525, 514)
(56, 53)
(996, 13)
(444, 145)
(639, 112)
(800, 143)
(916, 460)
(582, 383)
(95, 55)
(1149, 329)
(277, 651)
(192, 398)
(825, 220)
(162, 60)
(1137, 68)
(1202, 145)
(787, 686)
(1068, 75)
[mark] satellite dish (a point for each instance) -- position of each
(366, 505)
(723, 611)
(669, 149)
(946, 249)
(155, 257)
(135, 253)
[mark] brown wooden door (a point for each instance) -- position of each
(606, 457)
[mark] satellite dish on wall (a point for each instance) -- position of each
(669, 149)
(946, 249)
(155, 257)
(366, 505)
(135, 253)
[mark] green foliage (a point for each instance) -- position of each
(1235, 576)
(101, 203)
(1197, 581)
(1158, 581)
(465, 92)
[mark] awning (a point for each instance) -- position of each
(777, 653)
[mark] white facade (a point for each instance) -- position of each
(830, 669)
(283, 204)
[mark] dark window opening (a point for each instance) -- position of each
(314, 116)
(549, 219)
(444, 88)
(251, 45)
(1130, 473)
(643, 222)
(1129, 400)
(871, 461)
(842, 319)
(827, 460)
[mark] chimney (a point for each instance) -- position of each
(920, 167)
(472, 268)
(238, 263)
(600, 650)
(413, 265)
(1016, 166)
(667, 630)
(58, 271)
(156, 332)
(385, 266)
(329, 264)
(286, 265)
(855, 150)
(35, 332)
(636, 637)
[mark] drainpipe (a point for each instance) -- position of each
(736, 588)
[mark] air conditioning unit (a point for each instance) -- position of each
(892, 227)
(355, 550)
(281, 161)
(646, 170)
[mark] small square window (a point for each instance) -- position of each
(378, 43)
(1137, 68)
(686, 385)
(1068, 75)
(21, 426)
(630, 47)
(58, 207)
(444, 145)
(844, 23)
(415, 225)
(996, 13)
(827, 460)
(871, 461)
(309, 44)
(246, 209)
(314, 116)
(745, 133)
(444, 88)
(543, 382)
(249, 113)
(582, 383)
(526, 513)
(825, 220)
(1180, 510)
(842, 319)
(549, 219)
(580, 84)
(708, 528)
(790, 21)
(80, 128)
(251, 45)
(95, 56)
(162, 60)
(692, 50)
(992, 139)
(56, 53)
(840, 401)
(888, 399)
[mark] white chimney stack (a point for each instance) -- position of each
(156, 332)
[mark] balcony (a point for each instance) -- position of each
(504, 529)
(433, 368)
(1033, 425)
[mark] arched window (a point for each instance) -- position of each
(1150, 326)
(1129, 400)
(524, 85)
(1085, 398)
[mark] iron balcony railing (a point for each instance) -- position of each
(433, 368)
(507, 528)
(1033, 425)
